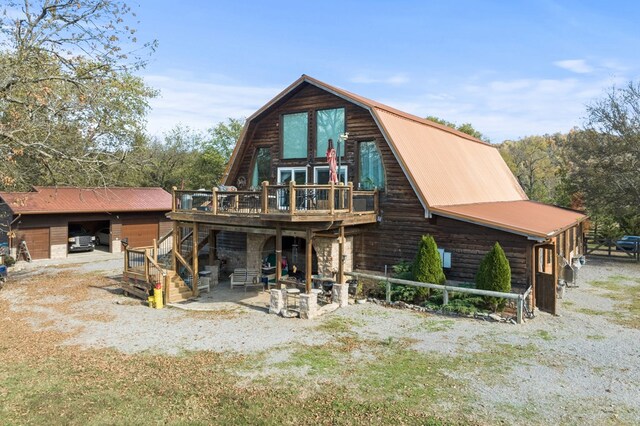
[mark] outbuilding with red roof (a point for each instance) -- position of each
(49, 218)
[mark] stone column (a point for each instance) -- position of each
(340, 294)
(278, 301)
(308, 305)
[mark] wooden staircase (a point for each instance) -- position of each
(177, 290)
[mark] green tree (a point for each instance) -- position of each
(224, 136)
(427, 266)
(69, 104)
(494, 273)
(604, 158)
(534, 162)
(464, 127)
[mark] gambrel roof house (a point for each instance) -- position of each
(401, 176)
(452, 173)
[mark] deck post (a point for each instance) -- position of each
(278, 254)
(292, 197)
(350, 197)
(309, 261)
(341, 256)
(214, 200)
(194, 260)
(173, 199)
(332, 197)
(212, 246)
(265, 197)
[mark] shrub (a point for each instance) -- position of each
(494, 274)
(9, 261)
(427, 268)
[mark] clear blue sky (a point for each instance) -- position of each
(510, 68)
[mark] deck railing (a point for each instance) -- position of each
(288, 199)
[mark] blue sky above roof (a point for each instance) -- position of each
(510, 68)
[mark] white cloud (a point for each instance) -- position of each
(578, 66)
(394, 80)
(200, 105)
(510, 109)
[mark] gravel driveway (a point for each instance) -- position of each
(580, 367)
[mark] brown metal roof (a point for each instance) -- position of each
(448, 169)
(87, 200)
(524, 217)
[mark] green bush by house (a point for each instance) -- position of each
(494, 274)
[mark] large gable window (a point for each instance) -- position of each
(262, 166)
(294, 135)
(330, 124)
(371, 170)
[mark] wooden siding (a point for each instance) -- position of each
(266, 132)
(37, 240)
(402, 224)
(58, 224)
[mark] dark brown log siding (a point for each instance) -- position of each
(396, 237)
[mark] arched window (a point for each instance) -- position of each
(262, 167)
(371, 169)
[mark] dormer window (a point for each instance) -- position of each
(294, 135)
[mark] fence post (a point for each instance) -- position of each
(520, 306)
(445, 297)
(388, 286)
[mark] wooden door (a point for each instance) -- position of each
(140, 232)
(37, 241)
(546, 278)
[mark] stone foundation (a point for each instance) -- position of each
(328, 251)
(58, 251)
(254, 250)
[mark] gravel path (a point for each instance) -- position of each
(580, 367)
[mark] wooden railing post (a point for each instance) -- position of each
(194, 260)
(173, 199)
(155, 250)
(292, 197)
(214, 200)
(350, 197)
(265, 196)
(332, 197)
(126, 263)
(146, 264)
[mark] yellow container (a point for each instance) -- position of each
(157, 298)
(150, 300)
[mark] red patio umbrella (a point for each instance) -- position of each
(331, 159)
